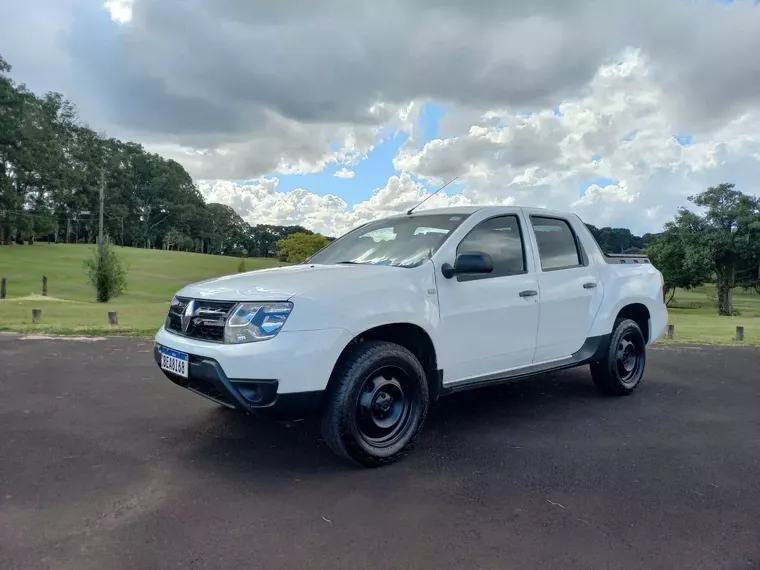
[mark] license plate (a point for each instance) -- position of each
(174, 361)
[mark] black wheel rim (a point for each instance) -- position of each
(628, 358)
(385, 407)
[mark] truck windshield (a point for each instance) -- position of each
(399, 242)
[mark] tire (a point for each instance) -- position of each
(621, 371)
(375, 405)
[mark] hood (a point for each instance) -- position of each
(281, 283)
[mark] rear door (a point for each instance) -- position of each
(488, 323)
(569, 285)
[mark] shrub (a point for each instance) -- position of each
(299, 246)
(111, 280)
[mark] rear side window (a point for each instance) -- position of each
(500, 238)
(557, 246)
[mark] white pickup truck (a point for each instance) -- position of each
(371, 330)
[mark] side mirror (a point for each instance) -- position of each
(468, 264)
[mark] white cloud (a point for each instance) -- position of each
(620, 127)
(344, 173)
(121, 10)
(242, 88)
(262, 203)
(612, 193)
(281, 145)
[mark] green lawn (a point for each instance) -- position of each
(695, 317)
(153, 276)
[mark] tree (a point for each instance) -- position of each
(227, 231)
(173, 239)
(723, 242)
(112, 277)
(299, 246)
(672, 256)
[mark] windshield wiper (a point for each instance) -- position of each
(348, 263)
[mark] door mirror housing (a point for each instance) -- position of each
(472, 263)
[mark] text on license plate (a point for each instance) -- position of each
(174, 361)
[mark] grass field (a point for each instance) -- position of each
(155, 275)
(694, 315)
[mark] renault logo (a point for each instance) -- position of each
(188, 314)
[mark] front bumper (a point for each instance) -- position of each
(260, 396)
(284, 377)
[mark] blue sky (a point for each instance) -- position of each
(598, 181)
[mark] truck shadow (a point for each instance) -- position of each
(228, 442)
(509, 405)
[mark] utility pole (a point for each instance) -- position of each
(100, 234)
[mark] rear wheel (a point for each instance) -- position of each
(622, 369)
(376, 404)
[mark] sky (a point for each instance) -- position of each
(328, 114)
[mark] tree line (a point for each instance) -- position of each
(621, 240)
(52, 166)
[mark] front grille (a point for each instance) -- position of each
(207, 321)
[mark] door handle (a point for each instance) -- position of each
(589, 285)
(529, 293)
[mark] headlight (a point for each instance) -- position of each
(252, 322)
(174, 307)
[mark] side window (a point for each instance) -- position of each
(500, 238)
(557, 247)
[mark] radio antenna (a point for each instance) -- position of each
(412, 209)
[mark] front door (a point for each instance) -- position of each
(570, 289)
(488, 323)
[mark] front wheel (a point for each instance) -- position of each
(621, 371)
(376, 404)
